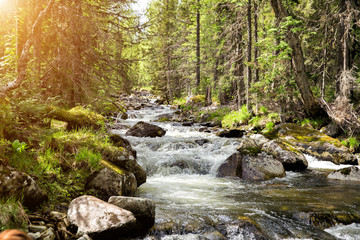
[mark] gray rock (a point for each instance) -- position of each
(259, 139)
(122, 142)
(18, 184)
(292, 161)
(261, 167)
(314, 143)
(107, 183)
(143, 210)
(232, 167)
(249, 146)
(37, 228)
(346, 174)
(35, 236)
(143, 129)
(251, 167)
(332, 130)
(99, 219)
(49, 234)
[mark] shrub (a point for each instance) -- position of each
(235, 118)
(269, 127)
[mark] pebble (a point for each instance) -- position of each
(36, 228)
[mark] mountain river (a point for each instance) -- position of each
(192, 203)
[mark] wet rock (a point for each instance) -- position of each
(249, 146)
(57, 216)
(346, 174)
(232, 167)
(292, 161)
(99, 219)
(143, 210)
(261, 167)
(108, 182)
(233, 133)
(201, 142)
(35, 236)
(143, 129)
(122, 142)
(187, 124)
(245, 228)
(18, 184)
(259, 139)
(314, 143)
(324, 220)
(251, 167)
(124, 116)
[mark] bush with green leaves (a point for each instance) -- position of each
(236, 118)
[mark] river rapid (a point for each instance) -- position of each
(192, 203)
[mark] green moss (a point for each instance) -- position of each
(304, 134)
(112, 167)
(345, 171)
(12, 216)
(197, 99)
(253, 151)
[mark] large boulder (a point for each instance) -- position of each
(112, 182)
(259, 139)
(14, 183)
(143, 210)
(254, 167)
(313, 142)
(232, 167)
(261, 167)
(99, 219)
(346, 174)
(292, 160)
(143, 129)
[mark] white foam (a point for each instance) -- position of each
(345, 232)
(315, 163)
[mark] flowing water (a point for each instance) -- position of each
(193, 204)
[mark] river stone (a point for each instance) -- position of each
(346, 174)
(14, 183)
(99, 219)
(261, 167)
(314, 143)
(107, 183)
(248, 146)
(245, 228)
(292, 161)
(143, 210)
(232, 167)
(259, 139)
(233, 133)
(122, 142)
(143, 129)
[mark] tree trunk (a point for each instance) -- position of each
(249, 48)
(311, 106)
(25, 53)
(198, 44)
(256, 52)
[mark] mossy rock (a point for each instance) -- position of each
(310, 141)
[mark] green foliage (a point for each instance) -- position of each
(314, 123)
(353, 143)
(11, 214)
(255, 121)
(84, 155)
(236, 118)
(269, 127)
(345, 143)
(19, 147)
(263, 110)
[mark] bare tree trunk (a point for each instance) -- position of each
(25, 54)
(325, 58)
(198, 44)
(249, 48)
(311, 106)
(256, 53)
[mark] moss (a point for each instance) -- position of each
(345, 171)
(112, 167)
(197, 99)
(253, 151)
(304, 134)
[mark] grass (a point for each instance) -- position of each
(11, 214)
(236, 118)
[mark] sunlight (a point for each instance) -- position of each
(4, 4)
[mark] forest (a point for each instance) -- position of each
(70, 68)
